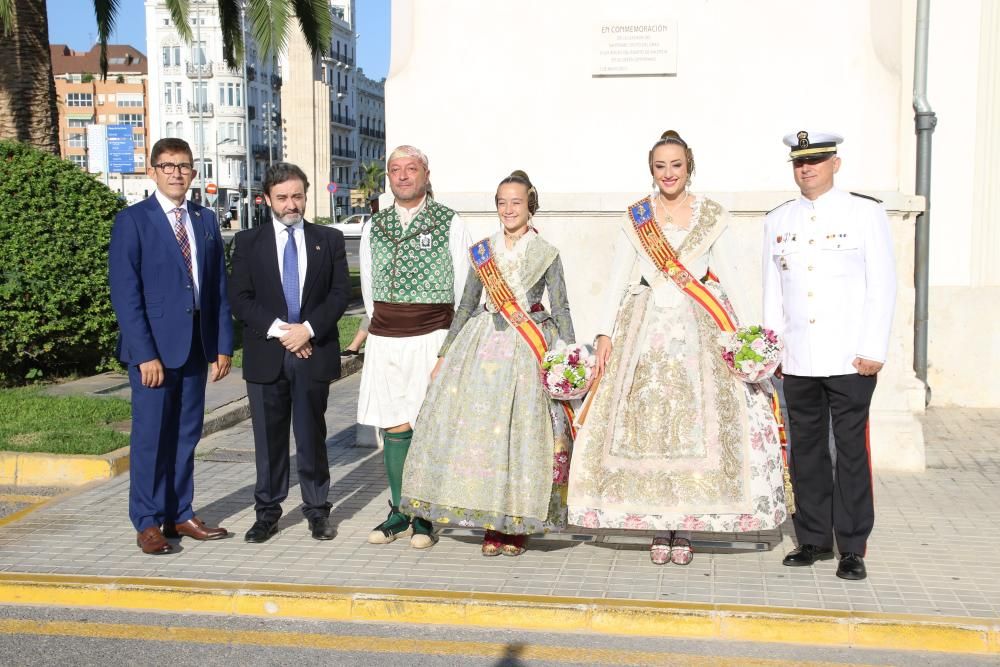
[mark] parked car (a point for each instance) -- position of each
(352, 225)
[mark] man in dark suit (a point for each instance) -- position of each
(289, 286)
(168, 288)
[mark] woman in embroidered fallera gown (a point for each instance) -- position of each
(492, 450)
(673, 442)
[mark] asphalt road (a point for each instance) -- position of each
(57, 636)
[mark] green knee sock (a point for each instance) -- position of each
(395, 447)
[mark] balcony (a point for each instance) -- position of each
(344, 153)
(275, 81)
(251, 73)
(342, 90)
(261, 150)
(203, 71)
(343, 120)
(374, 134)
(202, 108)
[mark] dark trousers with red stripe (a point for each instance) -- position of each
(831, 501)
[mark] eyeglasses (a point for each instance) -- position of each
(168, 167)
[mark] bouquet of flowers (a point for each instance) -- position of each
(752, 353)
(567, 373)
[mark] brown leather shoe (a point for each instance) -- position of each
(152, 542)
(194, 528)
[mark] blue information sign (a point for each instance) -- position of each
(121, 149)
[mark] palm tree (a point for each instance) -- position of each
(371, 181)
(27, 89)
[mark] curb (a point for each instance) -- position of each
(525, 612)
(38, 469)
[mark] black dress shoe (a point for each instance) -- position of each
(852, 566)
(321, 528)
(261, 531)
(806, 555)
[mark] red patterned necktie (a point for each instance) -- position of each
(182, 238)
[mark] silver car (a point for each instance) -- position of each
(352, 225)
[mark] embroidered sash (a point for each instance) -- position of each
(505, 302)
(665, 259)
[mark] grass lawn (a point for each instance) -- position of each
(33, 422)
(30, 421)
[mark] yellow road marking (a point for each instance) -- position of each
(21, 498)
(376, 644)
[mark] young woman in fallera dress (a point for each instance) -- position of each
(673, 441)
(492, 450)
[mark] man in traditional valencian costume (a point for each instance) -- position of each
(830, 291)
(413, 270)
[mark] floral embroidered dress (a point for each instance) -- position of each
(673, 441)
(492, 449)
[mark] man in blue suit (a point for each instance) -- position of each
(168, 289)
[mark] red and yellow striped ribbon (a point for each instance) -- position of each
(503, 299)
(665, 259)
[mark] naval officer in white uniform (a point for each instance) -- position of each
(829, 291)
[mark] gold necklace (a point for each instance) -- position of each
(666, 209)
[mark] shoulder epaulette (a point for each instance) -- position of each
(858, 194)
(779, 206)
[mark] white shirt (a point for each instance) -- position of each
(280, 241)
(829, 282)
(168, 209)
(459, 242)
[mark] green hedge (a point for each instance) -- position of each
(55, 311)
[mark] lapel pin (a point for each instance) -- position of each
(317, 247)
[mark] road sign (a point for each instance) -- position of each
(258, 199)
(211, 188)
(331, 188)
(121, 149)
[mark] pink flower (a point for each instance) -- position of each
(635, 522)
(748, 522)
(574, 358)
(590, 520)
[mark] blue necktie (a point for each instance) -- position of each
(290, 277)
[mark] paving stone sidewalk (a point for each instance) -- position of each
(935, 549)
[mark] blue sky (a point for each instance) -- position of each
(72, 22)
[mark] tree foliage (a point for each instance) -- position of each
(55, 308)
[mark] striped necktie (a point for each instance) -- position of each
(182, 238)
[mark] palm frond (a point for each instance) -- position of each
(317, 24)
(232, 33)
(180, 10)
(269, 25)
(7, 17)
(106, 12)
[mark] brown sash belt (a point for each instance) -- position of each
(401, 320)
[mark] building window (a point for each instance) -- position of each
(177, 55)
(80, 100)
(78, 160)
(198, 53)
(169, 132)
(140, 161)
(166, 56)
(133, 119)
(130, 99)
(78, 122)
(139, 140)
(200, 93)
(168, 89)
(78, 140)
(180, 130)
